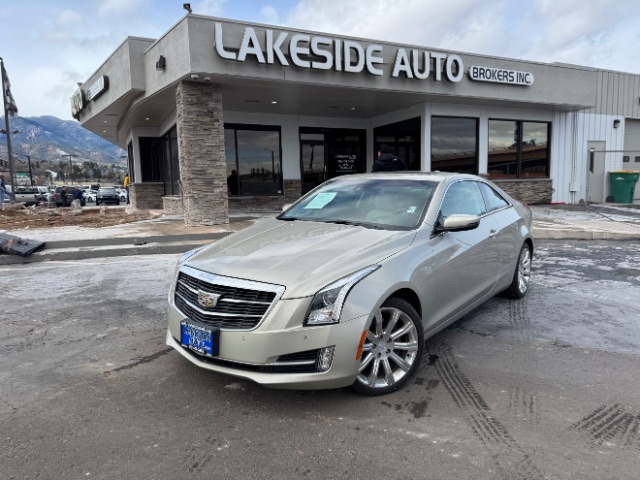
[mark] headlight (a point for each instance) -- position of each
(326, 305)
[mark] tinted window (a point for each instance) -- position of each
(518, 149)
(463, 198)
(253, 160)
(493, 199)
(454, 144)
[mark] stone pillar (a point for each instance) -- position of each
(203, 170)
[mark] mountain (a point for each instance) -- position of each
(50, 138)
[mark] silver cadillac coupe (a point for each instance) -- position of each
(344, 286)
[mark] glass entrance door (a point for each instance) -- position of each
(329, 152)
(313, 164)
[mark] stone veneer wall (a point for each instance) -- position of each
(292, 191)
(203, 170)
(528, 191)
(146, 196)
(172, 205)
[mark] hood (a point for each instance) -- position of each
(302, 256)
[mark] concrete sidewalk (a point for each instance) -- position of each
(589, 222)
(169, 234)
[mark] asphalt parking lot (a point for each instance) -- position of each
(541, 388)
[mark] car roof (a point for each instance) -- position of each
(431, 176)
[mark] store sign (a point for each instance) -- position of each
(324, 53)
(78, 102)
(98, 88)
(500, 75)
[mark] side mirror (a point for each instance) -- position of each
(461, 223)
(286, 207)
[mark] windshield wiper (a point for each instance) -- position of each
(288, 219)
(357, 224)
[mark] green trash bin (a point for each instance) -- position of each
(622, 184)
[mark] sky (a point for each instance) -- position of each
(50, 46)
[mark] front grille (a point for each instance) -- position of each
(237, 308)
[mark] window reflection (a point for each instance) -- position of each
(454, 144)
(518, 149)
(253, 160)
(535, 150)
(503, 149)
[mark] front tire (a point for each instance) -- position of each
(522, 276)
(392, 350)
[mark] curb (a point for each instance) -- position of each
(114, 247)
(61, 255)
(549, 234)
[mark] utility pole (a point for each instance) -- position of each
(30, 172)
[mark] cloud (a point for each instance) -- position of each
(212, 8)
(268, 14)
(118, 7)
(68, 18)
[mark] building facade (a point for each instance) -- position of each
(220, 115)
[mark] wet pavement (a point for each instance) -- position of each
(539, 388)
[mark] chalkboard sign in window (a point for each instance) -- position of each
(346, 164)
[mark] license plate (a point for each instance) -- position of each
(200, 338)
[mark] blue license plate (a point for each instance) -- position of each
(200, 338)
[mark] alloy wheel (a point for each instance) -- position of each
(390, 349)
(524, 270)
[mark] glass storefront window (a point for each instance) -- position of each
(253, 160)
(454, 144)
(535, 150)
(403, 140)
(503, 149)
(518, 149)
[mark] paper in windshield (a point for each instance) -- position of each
(321, 200)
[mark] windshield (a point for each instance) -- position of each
(111, 191)
(397, 203)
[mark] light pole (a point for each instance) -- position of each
(70, 166)
(8, 133)
(29, 162)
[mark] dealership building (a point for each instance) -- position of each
(220, 115)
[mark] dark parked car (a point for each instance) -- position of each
(66, 202)
(107, 195)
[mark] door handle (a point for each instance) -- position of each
(493, 233)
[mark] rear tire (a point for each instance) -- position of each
(522, 276)
(392, 350)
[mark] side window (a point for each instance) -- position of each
(463, 198)
(493, 199)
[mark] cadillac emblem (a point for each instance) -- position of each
(207, 299)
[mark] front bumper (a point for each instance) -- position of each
(256, 354)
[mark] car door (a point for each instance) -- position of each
(509, 237)
(467, 263)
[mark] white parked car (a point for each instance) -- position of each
(345, 285)
(123, 194)
(89, 195)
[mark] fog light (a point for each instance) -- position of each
(325, 358)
